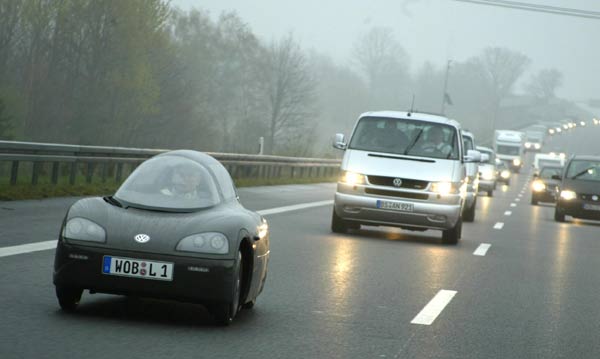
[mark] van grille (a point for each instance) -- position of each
(383, 192)
(389, 181)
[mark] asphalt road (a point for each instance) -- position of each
(533, 294)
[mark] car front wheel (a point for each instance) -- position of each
(559, 216)
(223, 313)
(68, 298)
(338, 225)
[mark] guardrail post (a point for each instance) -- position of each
(35, 173)
(14, 172)
(318, 171)
(119, 172)
(104, 171)
(55, 173)
(301, 172)
(89, 172)
(292, 171)
(73, 173)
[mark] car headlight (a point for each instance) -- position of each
(538, 186)
(444, 188)
(568, 195)
(516, 162)
(209, 242)
(527, 145)
(82, 229)
(537, 146)
(551, 131)
(352, 178)
(562, 155)
(505, 174)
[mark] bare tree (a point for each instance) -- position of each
(501, 68)
(384, 63)
(543, 85)
(290, 89)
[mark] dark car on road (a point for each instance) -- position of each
(174, 230)
(503, 173)
(543, 188)
(579, 189)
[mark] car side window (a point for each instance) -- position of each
(224, 182)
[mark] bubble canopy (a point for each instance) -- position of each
(170, 182)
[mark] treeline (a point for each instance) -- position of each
(140, 73)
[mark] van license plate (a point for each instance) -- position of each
(395, 206)
(129, 267)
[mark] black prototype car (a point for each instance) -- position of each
(545, 184)
(174, 230)
(579, 189)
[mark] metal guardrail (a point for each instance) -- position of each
(58, 160)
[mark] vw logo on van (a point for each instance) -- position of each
(397, 182)
(141, 238)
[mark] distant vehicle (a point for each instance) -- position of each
(579, 189)
(487, 170)
(534, 141)
(503, 173)
(509, 147)
(472, 179)
(544, 186)
(404, 170)
(173, 230)
(548, 159)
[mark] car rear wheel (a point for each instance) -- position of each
(338, 225)
(452, 235)
(223, 313)
(559, 216)
(68, 298)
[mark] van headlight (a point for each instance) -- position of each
(568, 195)
(537, 146)
(352, 178)
(516, 162)
(505, 174)
(527, 144)
(82, 229)
(209, 242)
(444, 188)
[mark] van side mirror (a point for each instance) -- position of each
(339, 142)
(485, 158)
(473, 156)
(556, 177)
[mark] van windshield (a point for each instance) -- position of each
(405, 137)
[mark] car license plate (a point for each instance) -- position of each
(137, 268)
(395, 206)
(591, 207)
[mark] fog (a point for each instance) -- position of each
(435, 30)
(216, 75)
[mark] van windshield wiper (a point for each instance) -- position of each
(414, 142)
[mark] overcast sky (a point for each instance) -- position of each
(434, 30)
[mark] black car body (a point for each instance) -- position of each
(503, 173)
(579, 189)
(544, 187)
(174, 230)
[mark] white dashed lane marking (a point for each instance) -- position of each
(499, 225)
(507, 213)
(482, 249)
(434, 308)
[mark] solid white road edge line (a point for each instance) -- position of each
(43, 246)
(27, 248)
(296, 207)
(434, 308)
(499, 225)
(482, 249)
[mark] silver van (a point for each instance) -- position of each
(405, 170)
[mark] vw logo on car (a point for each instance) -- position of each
(397, 182)
(141, 238)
